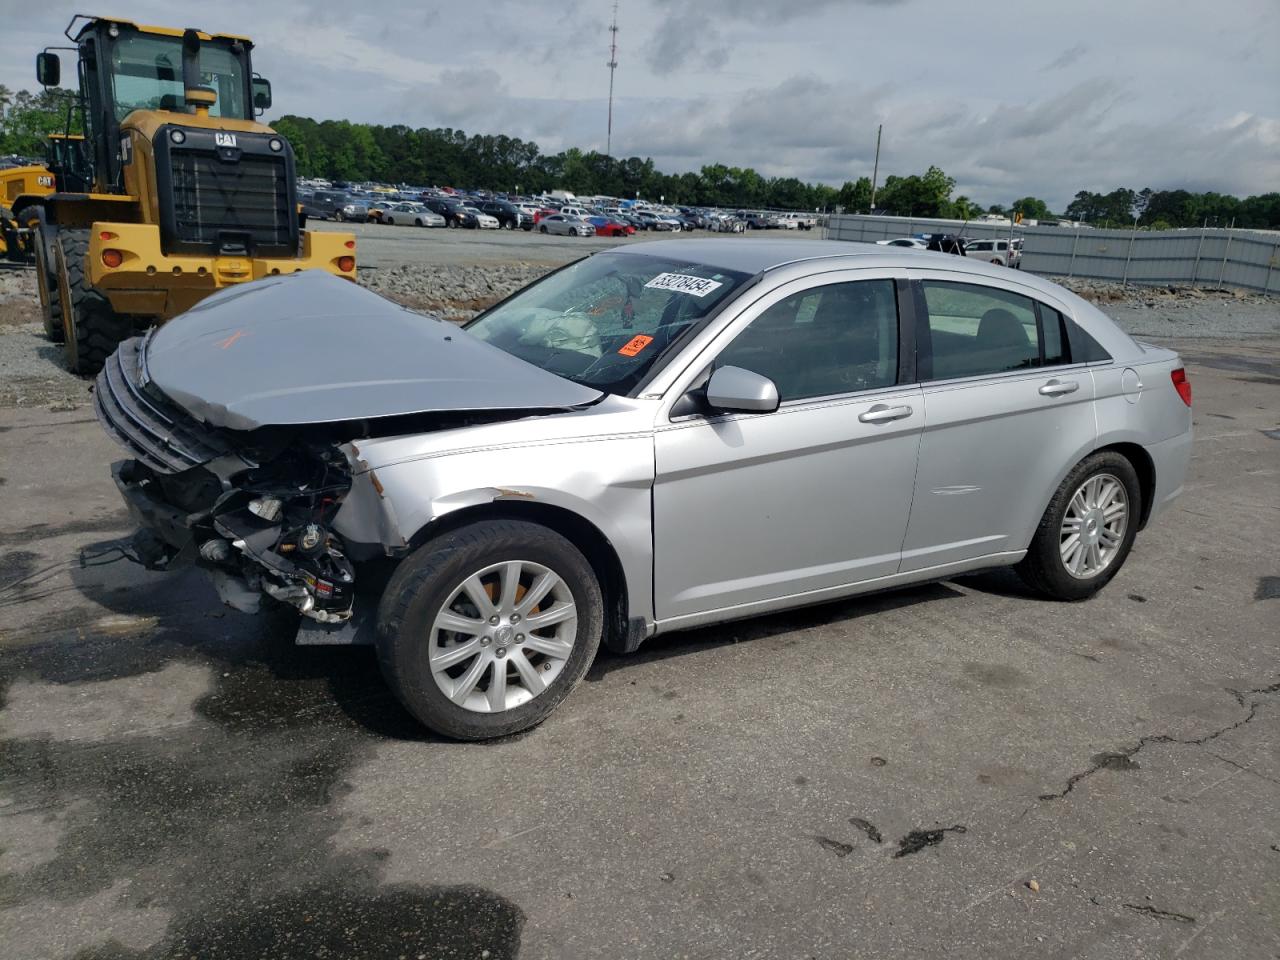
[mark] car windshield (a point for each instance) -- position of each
(603, 321)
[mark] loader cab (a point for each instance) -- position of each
(123, 67)
(67, 157)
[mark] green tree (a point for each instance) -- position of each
(1032, 208)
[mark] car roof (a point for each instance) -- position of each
(759, 255)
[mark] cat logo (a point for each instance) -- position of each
(224, 139)
(44, 181)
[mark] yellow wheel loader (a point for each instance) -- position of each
(180, 191)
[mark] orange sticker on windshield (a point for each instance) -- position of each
(635, 345)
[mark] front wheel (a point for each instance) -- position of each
(484, 632)
(1087, 530)
(542, 229)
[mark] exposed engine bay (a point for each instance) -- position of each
(270, 531)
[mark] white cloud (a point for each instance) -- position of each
(1039, 99)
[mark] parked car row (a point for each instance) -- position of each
(548, 215)
(1007, 252)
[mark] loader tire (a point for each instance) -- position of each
(92, 330)
(47, 287)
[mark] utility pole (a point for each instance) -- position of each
(613, 65)
(875, 170)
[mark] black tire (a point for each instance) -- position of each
(91, 329)
(1043, 569)
(423, 583)
(542, 229)
(47, 285)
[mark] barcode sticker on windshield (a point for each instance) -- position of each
(683, 283)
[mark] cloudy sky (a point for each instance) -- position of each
(1039, 97)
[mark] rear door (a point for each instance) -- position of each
(756, 508)
(1007, 413)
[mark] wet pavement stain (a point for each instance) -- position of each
(1114, 761)
(1137, 598)
(835, 846)
(45, 531)
(436, 922)
(1268, 589)
(226, 821)
(995, 674)
(867, 827)
(917, 840)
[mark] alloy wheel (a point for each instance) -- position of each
(503, 636)
(1093, 526)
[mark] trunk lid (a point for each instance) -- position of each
(314, 348)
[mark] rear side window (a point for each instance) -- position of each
(973, 330)
(1054, 335)
(1084, 349)
(834, 339)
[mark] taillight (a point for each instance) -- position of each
(112, 258)
(1182, 385)
(346, 264)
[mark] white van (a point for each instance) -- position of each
(1004, 252)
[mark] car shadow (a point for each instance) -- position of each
(263, 679)
(695, 640)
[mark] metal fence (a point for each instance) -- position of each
(1203, 258)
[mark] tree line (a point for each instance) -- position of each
(355, 152)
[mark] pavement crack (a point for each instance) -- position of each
(1123, 759)
(1160, 914)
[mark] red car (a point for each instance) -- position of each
(611, 228)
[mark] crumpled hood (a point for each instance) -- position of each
(314, 348)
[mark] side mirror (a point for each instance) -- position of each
(736, 390)
(48, 69)
(261, 94)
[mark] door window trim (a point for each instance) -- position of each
(925, 343)
(700, 357)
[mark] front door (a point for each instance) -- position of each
(754, 508)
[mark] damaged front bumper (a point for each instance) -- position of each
(248, 545)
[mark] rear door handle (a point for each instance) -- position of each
(1056, 388)
(883, 414)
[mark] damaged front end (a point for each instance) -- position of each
(255, 510)
(242, 417)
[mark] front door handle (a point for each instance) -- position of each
(1056, 388)
(883, 414)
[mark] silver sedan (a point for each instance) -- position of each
(653, 438)
(411, 215)
(566, 224)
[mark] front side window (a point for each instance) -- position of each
(827, 340)
(605, 320)
(146, 74)
(975, 330)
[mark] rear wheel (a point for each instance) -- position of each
(91, 329)
(47, 287)
(1087, 530)
(482, 633)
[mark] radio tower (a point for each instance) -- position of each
(613, 65)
